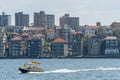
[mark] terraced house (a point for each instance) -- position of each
(76, 43)
(94, 46)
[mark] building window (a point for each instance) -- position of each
(116, 42)
(107, 41)
(111, 41)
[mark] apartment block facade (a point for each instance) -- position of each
(21, 19)
(34, 47)
(44, 20)
(69, 21)
(5, 20)
(15, 47)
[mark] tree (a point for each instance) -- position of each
(47, 48)
(85, 44)
(115, 26)
(101, 33)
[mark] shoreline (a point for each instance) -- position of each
(90, 57)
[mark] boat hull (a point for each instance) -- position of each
(28, 70)
(24, 70)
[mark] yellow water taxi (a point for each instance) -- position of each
(31, 67)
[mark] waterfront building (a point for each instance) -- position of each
(21, 19)
(59, 47)
(77, 47)
(91, 30)
(50, 34)
(34, 47)
(44, 20)
(3, 44)
(111, 45)
(94, 46)
(5, 20)
(15, 47)
(69, 21)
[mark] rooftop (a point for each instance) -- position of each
(59, 40)
(77, 32)
(25, 34)
(93, 36)
(14, 33)
(16, 38)
(110, 38)
(50, 30)
(39, 35)
(33, 28)
(92, 27)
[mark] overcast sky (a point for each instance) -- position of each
(89, 11)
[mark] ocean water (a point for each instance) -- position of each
(63, 69)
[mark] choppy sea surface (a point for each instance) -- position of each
(63, 69)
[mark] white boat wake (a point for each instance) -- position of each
(73, 71)
(58, 71)
(62, 71)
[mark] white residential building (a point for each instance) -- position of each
(91, 30)
(111, 45)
